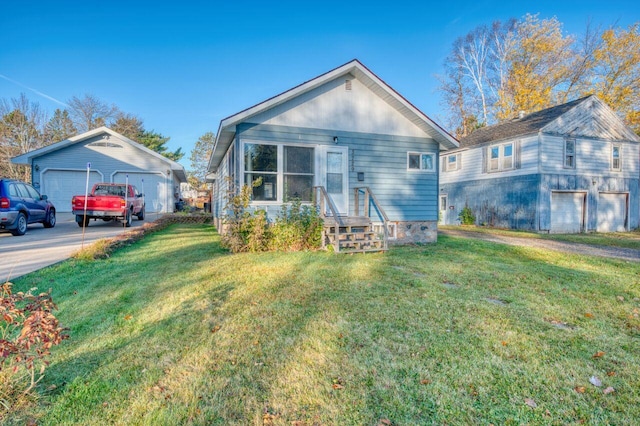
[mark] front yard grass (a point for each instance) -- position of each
(611, 239)
(174, 330)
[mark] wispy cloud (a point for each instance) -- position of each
(37, 92)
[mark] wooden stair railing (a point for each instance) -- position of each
(349, 234)
(369, 200)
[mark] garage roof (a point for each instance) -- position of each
(177, 169)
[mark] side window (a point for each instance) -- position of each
(501, 157)
(616, 157)
(13, 191)
(421, 161)
(452, 162)
(22, 190)
(570, 154)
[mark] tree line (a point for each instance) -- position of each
(496, 71)
(25, 126)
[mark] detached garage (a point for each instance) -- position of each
(60, 170)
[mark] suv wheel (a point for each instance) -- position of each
(50, 221)
(21, 223)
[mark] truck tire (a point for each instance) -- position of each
(128, 219)
(141, 214)
(82, 220)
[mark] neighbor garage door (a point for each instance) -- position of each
(612, 212)
(154, 188)
(567, 212)
(61, 185)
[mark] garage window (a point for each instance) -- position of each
(616, 158)
(570, 154)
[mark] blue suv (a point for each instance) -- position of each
(21, 204)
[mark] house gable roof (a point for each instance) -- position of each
(227, 129)
(586, 117)
(28, 157)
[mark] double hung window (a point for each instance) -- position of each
(570, 154)
(616, 157)
(501, 157)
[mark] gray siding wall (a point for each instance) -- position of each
(405, 196)
(593, 156)
(472, 162)
(505, 202)
(562, 182)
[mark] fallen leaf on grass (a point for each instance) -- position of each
(337, 386)
(579, 389)
(530, 402)
(385, 422)
(215, 329)
(598, 354)
(595, 381)
(127, 317)
(504, 343)
(588, 315)
(611, 373)
(608, 390)
(425, 381)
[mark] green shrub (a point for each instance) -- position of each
(297, 227)
(466, 216)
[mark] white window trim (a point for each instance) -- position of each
(280, 169)
(448, 166)
(564, 158)
(613, 147)
(422, 169)
(501, 157)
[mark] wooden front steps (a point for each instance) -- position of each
(352, 234)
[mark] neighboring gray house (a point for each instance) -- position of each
(570, 168)
(343, 130)
(60, 170)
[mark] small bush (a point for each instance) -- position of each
(28, 331)
(466, 216)
(297, 227)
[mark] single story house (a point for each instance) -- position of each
(567, 169)
(59, 170)
(335, 134)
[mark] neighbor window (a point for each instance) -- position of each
(570, 153)
(421, 161)
(501, 157)
(616, 157)
(270, 169)
(452, 163)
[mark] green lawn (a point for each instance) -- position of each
(174, 330)
(613, 239)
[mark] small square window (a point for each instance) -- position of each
(452, 163)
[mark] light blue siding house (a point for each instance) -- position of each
(570, 168)
(343, 130)
(59, 170)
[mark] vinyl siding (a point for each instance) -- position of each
(472, 162)
(404, 195)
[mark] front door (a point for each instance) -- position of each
(335, 176)
(442, 217)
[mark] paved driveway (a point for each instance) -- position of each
(41, 247)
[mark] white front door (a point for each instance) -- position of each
(444, 205)
(335, 176)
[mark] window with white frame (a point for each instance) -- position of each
(279, 173)
(569, 153)
(501, 157)
(616, 157)
(421, 161)
(452, 163)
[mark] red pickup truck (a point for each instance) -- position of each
(109, 201)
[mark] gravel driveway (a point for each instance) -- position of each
(586, 249)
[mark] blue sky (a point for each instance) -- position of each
(183, 66)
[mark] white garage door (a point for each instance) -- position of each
(60, 185)
(567, 212)
(612, 212)
(153, 187)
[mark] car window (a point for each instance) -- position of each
(32, 192)
(13, 191)
(22, 191)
